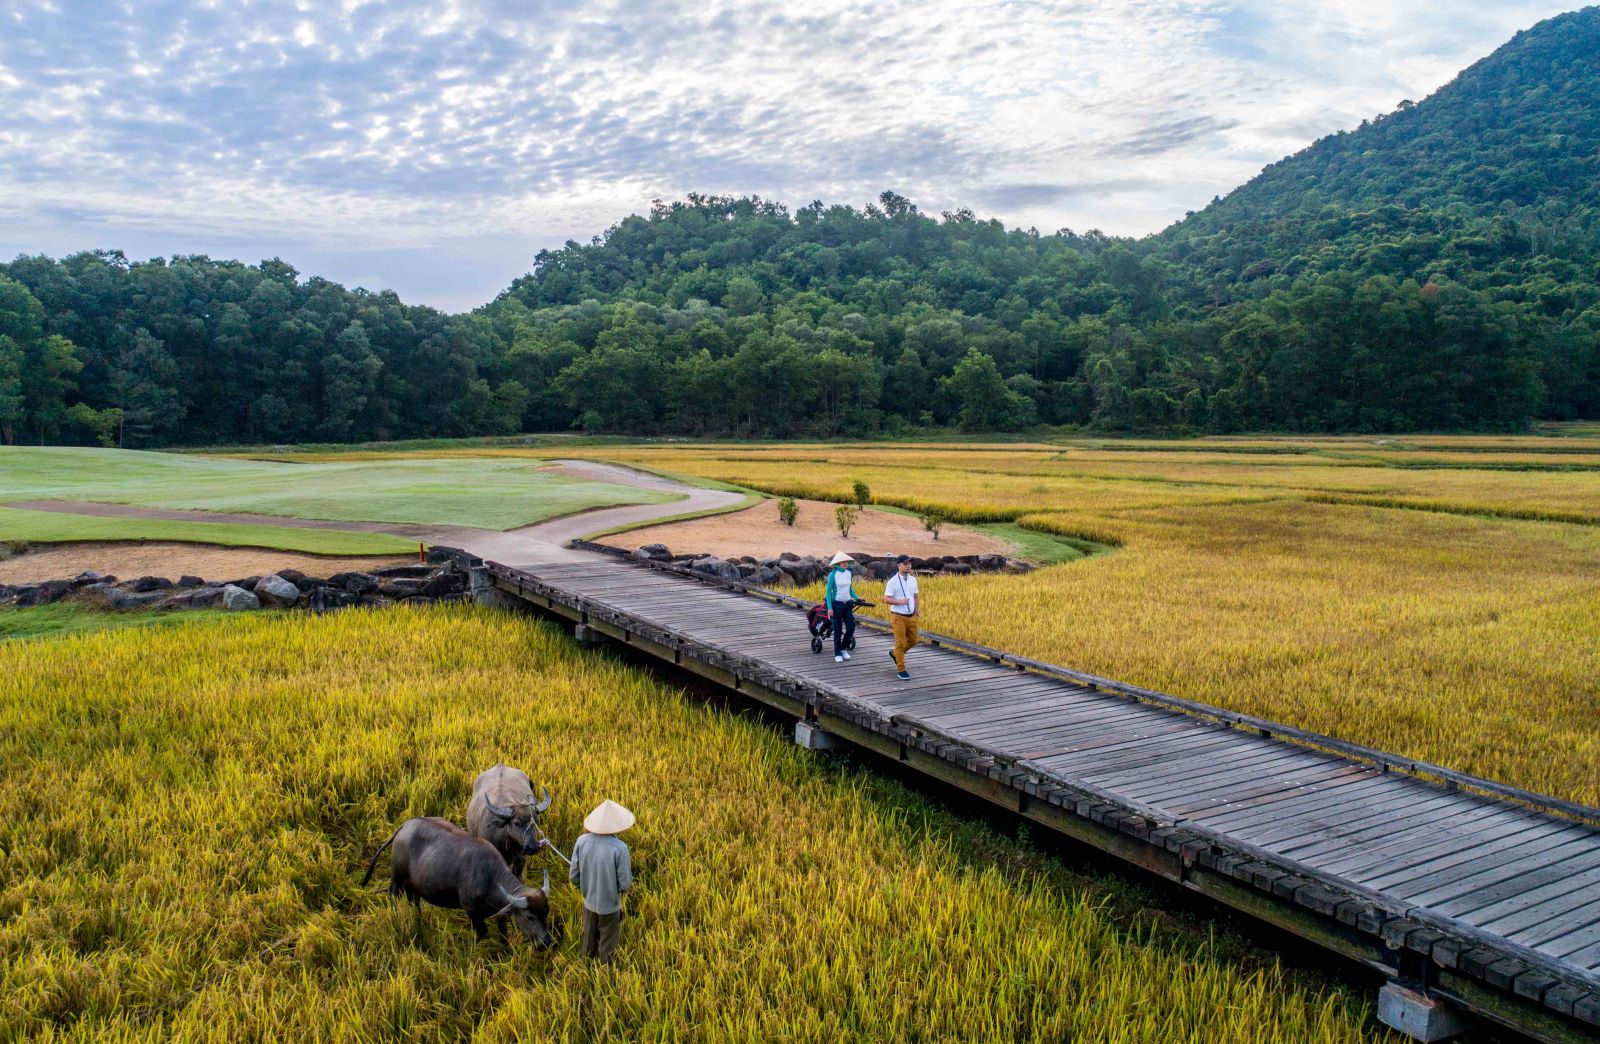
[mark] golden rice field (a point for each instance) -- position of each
(1442, 631)
(188, 811)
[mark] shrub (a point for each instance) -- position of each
(933, 520)
(845, 516)
(862, 493)
(788, 511)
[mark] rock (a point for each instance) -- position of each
(294, 576)
(121, 601)
(355, 583)
(444, 582)
(957, 568)
(767, 575)
(47, 593)
(746, 560)
(883, 568)
(409, 571)
(924, 565)
(275, 592)
(654, 552)
(188, 581)
(374, 601)
(401, 587)
(236, 599)
(713, 566)
(147, 583)
(789, 556)
(89, 576)
(326, 596)
(992, 562)
(747, 570)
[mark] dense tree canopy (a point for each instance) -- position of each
(1435, 269)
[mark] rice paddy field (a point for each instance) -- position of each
(189, 809)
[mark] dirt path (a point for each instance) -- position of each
(757, 531)
(127, 560)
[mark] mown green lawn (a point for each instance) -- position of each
(43, 621)
(55, 527)
(487, 493)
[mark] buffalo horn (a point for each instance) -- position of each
(547, 881)
(498, 810)
(545, 803)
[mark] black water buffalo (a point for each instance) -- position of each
(437, 861)
(504, 813)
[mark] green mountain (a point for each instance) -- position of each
(1435, 269)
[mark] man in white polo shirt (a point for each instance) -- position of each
(900, 594)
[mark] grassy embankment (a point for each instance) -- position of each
(182, 851)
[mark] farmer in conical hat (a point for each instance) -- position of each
(602, 871)
(840, 598)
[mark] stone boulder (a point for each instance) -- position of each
(236, 599)
(274, 592)
(188, 581)
(206, 596)
(654, 552)
(711, 565)
(770, 576)
(48, 592)
(147, 583)
(401, 587)
(122, 601)
(411, 572)
(89, 576)
(992, 563)
(355, 583)
(294, 576)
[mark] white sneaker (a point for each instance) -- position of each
(846, 655)
(839, 658)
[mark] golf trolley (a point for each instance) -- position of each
(820, 623)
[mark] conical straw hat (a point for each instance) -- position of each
(840, 557)
(608, 817)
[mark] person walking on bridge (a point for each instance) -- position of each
(904, 602)
(602, 871)
(839, 595)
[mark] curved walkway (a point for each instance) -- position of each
(540, 542)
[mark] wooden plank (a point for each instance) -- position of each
(1292, 809)
(1580, 946)
(1443, 853)
(1409, 878)
(1200, 763)
(1531, 908)
(1029, 728)
(1196, 743)
(1320, 780)
(1241, 785)
(1498, 876)
(1374, 845)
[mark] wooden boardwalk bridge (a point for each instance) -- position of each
(1469, 895)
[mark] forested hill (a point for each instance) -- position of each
(1434, 269)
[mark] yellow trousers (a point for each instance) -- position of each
(905, 636)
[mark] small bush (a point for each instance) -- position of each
(862, 493)
(845, 516)
(933, 520)
(788, 511)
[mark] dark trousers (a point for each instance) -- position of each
(600, 934)
(844, 625)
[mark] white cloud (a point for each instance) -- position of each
(298, 128)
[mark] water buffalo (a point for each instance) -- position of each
(504, 813)
(437, 861)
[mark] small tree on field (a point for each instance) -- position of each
(788, 511)
(845, 516)
(933, 521)
(861, 493)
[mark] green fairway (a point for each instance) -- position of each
(54, 527)
(486, 493)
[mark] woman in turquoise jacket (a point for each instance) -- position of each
(839, 595)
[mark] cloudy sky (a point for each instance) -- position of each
(433, 147)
